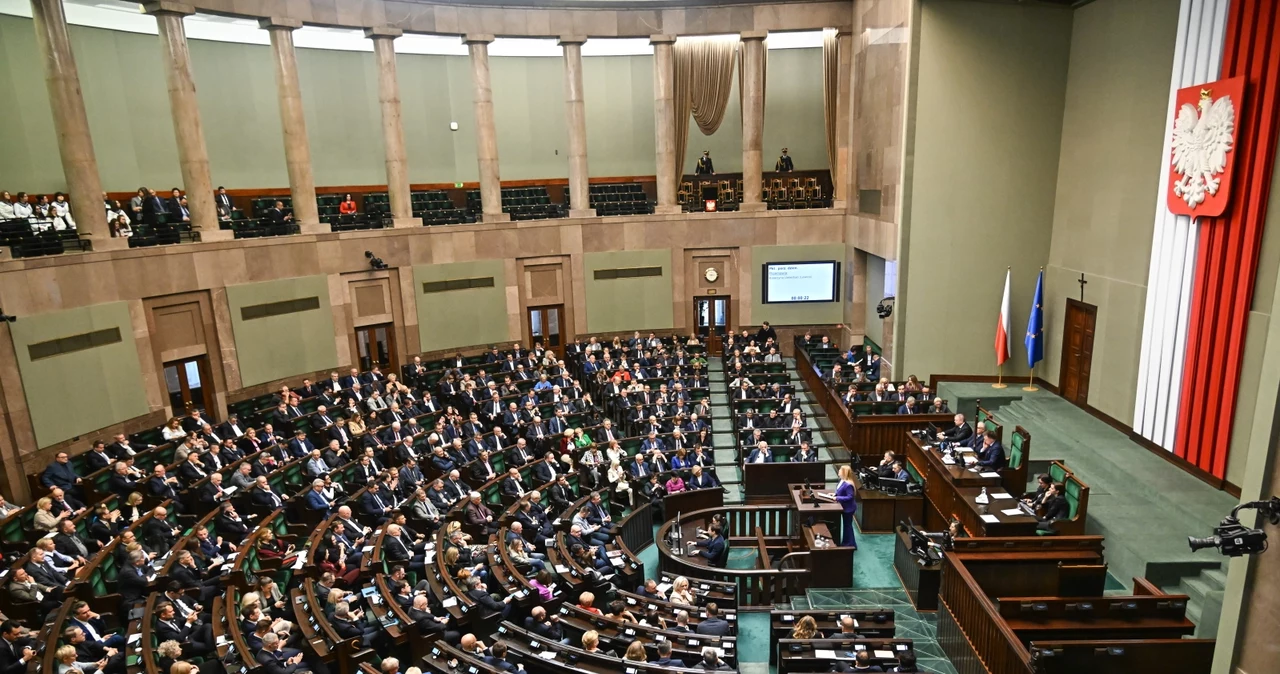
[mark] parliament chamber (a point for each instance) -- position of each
(601, 336)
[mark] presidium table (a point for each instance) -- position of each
(952, 492)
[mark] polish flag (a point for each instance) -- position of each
(1003, 348)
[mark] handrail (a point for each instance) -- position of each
(999, 649)
(783, 563)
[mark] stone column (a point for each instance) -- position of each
(752, 46)
(664, 122)
(486, 131)
(384, 52)
(193, 156)
(297, 150)
(71, 123)
(842, 172)
(576, 115)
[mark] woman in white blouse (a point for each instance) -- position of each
(615, 452)
(173, 431)
(6, 206)
(115, 212)
(618, 478)
(680, 592)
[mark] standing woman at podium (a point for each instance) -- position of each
(847, 498)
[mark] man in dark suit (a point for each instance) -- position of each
(16, 651)
(158, 533)
(513, 485)
(120, 483)
(152, 207)
(223, 200)
(712, 548)
(273, 660)
(300, 445)
(909, 406)
(278, 215)
(132, 581)
(230, 525)
(97, 458)
(545, 470)
(477, 591)
(991, 456)
(375, 504)
(177, 211)
(561, 494)
(497, 658)
(713, 624)
(958, 433)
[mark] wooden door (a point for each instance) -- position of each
(544, 326)
(189, 386)
(1077, 352)
(376, 345)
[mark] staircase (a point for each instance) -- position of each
(728, 470)
(1205, 593)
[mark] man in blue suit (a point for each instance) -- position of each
(300, 446)
(761, 454)
(991, 456)
(712, 548)
(316, 500)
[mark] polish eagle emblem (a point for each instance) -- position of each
(1203, 136)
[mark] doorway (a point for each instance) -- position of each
(376, 345)
(189, 385)
(1077, 352)
(544, 325)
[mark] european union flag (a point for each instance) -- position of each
(1035, 326)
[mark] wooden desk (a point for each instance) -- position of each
(770, 482)
(941, 481)
(814, 510)
(880, 513)
(920, 581)
(826, 559)
(971, 513)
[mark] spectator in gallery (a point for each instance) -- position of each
(348, 205)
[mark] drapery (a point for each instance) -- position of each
(830, 96)
(703, 76)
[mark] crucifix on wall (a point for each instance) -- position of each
(1082, 283)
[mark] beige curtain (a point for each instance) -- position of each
(703, 77)
(830, 95)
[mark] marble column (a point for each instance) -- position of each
(664, 122)
(384, 53)
(486, 131)
(842, 172)
(71, 123)
(193, 156)
(752, 46)
(576, 116)
(297, 150)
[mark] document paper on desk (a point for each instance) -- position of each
(999, 496)
(989, 474)
(883, 655)
(990, 519)
(1012, 512)
(826, 655)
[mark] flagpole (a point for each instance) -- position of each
(1031, 381)
(1000, 378)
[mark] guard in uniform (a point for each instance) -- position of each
(784, 164)
(705, 166)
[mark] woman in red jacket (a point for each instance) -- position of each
(348, 206)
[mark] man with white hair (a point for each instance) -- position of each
(479, 515)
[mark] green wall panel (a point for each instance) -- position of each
(275, 347)
(991, 87)
(458, 318)
(74, 393)
(793, 109)
(795, 314)
(125, 94)
(628, 303)
(529, 113)
(1116, 108)
(618, 97)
